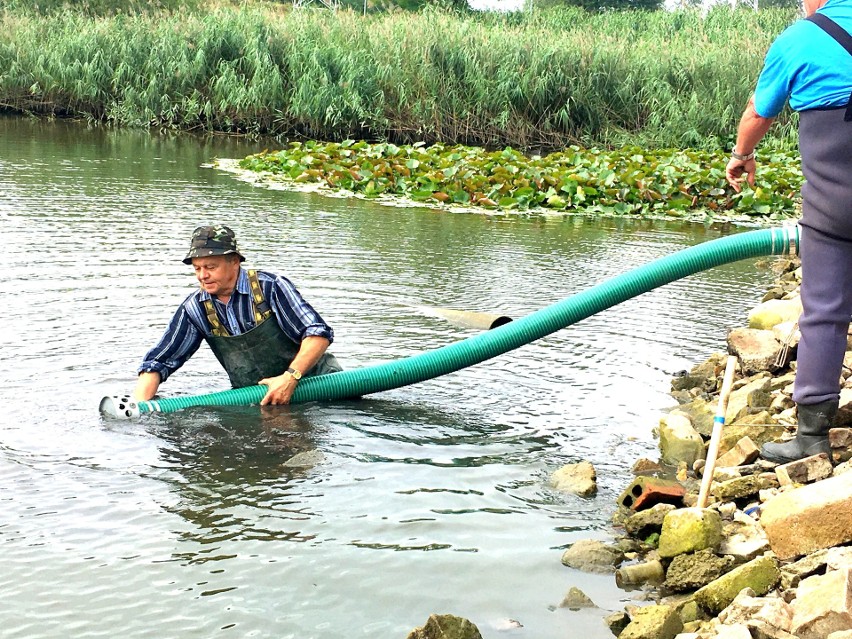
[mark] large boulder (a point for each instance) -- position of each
(809, 518)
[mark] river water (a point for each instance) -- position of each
(429, 499)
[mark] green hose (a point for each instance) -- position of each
(476, 349)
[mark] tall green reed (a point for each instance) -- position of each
(541, 80)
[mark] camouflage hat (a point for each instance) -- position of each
(212, 240)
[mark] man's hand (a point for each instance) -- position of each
(738, 171)
(279, 389)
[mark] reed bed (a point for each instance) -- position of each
(532, 81)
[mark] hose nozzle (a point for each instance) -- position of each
(124, 407)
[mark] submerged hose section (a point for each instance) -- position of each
(476, 349)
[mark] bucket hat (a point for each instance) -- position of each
(212, 240)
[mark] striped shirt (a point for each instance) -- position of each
(189, 326)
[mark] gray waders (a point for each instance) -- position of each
(825, 143)
(264, 351)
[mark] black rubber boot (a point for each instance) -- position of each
(811, 436)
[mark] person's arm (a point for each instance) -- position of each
(280, 389)
(751, 130)
(179, 342)
(146, 386)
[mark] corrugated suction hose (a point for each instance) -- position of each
(476, 349)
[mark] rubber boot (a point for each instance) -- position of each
(811, 436)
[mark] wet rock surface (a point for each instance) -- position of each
(769, 554)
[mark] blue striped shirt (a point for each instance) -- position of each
(189, 326)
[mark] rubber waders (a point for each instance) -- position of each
(811, 437)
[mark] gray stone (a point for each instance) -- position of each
(743, 539)
(792, 573)
(690, 530)
(744, 451)
(739, 400)
(579, 479)
(805, 471)
(755, 349)
(446, 627)
(645, 466)
(763, 630)
(823, 605)
(692, 571)
(746, 608)
(653, 622)
(735, 631)
(617, 622)
(760, 428)
(760, 575)
(701, 414)
(591, 555)
(844, 412)
(679, 441)
(839, 558)
(575, 599)
(305, 459)
(773, 312)
(737, 488)
(648, 521)
(634, 575)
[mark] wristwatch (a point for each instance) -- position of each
(742, 157)
(297, 375)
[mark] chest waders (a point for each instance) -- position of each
(264, 351)
(825, 144)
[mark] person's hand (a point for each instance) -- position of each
(738, 171)
(279, 389)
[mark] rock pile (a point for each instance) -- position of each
(769, 557)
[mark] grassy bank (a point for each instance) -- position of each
(545, 80)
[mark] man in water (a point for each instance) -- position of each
(257, 324)
(810, 64)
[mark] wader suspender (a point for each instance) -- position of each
(843, 39)
(261, 308)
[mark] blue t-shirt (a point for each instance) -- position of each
(808, 66)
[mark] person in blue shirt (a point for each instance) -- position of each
(256, 323)
(810, 64)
